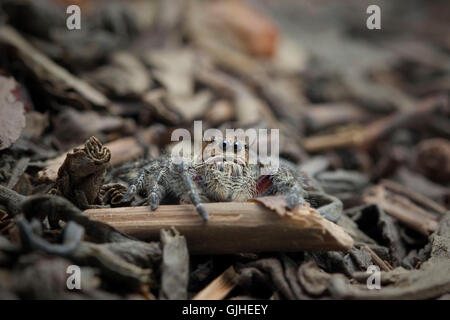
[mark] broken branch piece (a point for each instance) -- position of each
(233, 227)
(220, 287)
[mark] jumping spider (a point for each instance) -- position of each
(225, 175)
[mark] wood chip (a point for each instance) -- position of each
(220, 287)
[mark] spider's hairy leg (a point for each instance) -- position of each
(328, 206)
(150, 183)
(189, 185)
(293, 197)
(285, 182)
(157, 190)
(133, 188)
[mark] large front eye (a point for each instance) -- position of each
(237, 147)
(225, 145)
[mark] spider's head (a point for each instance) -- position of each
(227, 156)
(226, 170)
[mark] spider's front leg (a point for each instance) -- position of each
(151, 182)
(189, 186)
(285, 182)
(328, 206)
(297, 188)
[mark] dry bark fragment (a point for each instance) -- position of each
(175, 266)
(416, 197)
(379, 225)
(432, 280)
(12, 113)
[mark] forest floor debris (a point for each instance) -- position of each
(364, 114)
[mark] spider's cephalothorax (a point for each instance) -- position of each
(222, 172)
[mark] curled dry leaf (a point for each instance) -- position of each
(122, 150)
(276, 203)
(113, 194)
(81, 175)
(12, 113)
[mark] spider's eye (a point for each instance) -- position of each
(237, 147)
(225, 144)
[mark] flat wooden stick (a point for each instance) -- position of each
(234, 227)
(220, 287)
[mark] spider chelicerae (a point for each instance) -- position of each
(223, 173)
